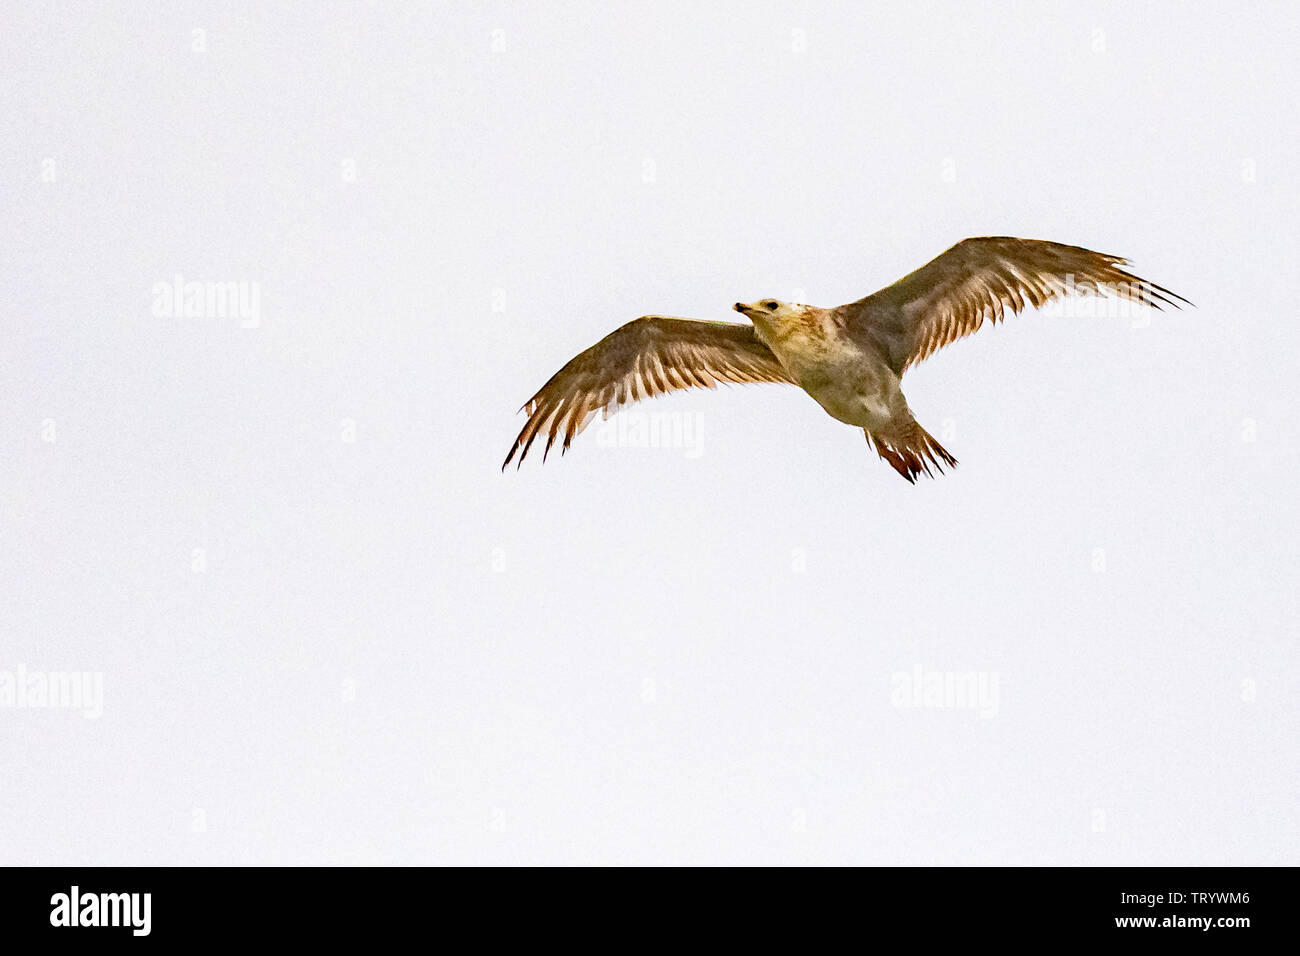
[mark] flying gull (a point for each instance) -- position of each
(849, 359)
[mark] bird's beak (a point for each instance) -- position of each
(742, 308)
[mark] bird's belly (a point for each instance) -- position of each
(849, 390)
(844, 380)
(852, 402)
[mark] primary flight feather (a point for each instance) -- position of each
(849, 358)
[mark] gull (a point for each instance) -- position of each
(850, 358)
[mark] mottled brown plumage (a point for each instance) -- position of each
(647, 357)
(951, 295)
(849, 358)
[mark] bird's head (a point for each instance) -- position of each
(770, 312)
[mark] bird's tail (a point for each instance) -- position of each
(910, 451)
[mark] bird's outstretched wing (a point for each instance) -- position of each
(648, 356)
(983, 278)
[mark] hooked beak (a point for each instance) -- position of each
(743, 309)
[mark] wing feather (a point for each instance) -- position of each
(985, 278)
(646, 357)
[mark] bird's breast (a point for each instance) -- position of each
(815, 355)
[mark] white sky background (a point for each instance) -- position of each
(392, 653)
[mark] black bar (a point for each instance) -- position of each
(369, 906)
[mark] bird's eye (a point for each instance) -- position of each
(770, 306)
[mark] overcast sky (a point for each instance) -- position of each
(265, 517)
